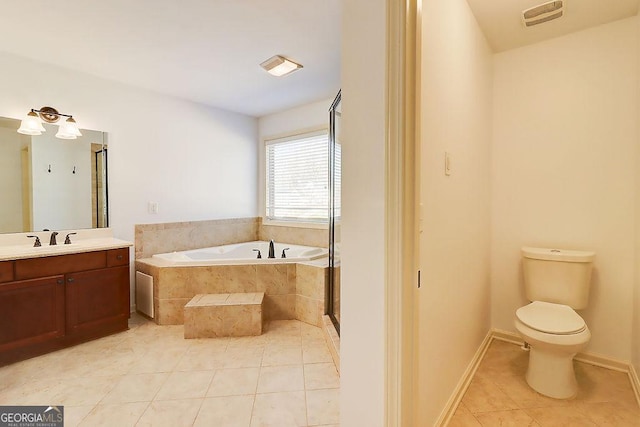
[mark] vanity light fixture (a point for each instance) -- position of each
(32, 124)
(280, 66)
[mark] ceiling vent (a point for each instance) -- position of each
(543, 13)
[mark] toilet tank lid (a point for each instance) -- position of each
(550, 254)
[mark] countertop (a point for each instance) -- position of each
(17, 246)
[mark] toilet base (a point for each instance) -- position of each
(551, 373)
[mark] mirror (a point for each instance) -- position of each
(52, 183)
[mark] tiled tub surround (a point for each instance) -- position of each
(151, 239)
(292, 291)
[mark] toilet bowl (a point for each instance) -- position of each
(555, 333)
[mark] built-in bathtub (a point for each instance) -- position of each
(242, 253)
(294, 287)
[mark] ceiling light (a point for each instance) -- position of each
(280, 66)
(32, 124)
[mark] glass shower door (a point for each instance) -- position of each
(335, 175)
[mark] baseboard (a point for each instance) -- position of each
(635, 382)
(332, 339)
(590, 358)
(463, 384)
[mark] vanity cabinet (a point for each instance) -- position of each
(52, 302)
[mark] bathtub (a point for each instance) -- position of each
(242, 253)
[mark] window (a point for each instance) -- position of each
(298, 178)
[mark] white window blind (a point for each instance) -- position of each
(297, 178)
(337, 207)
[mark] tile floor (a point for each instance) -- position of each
(151, 376)
(499, 396)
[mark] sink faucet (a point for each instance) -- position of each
(272, 251)
(52, 241)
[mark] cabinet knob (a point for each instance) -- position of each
(60, 281)
(119, 257)
(70, 280)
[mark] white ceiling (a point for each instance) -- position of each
(502, 25)
(209, 51)
(206, 51)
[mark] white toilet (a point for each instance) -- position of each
(557, 282)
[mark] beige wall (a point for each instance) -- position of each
(456, 118)
(563, 174)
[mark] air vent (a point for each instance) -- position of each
(543, 13)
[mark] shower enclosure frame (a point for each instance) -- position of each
(334, 256)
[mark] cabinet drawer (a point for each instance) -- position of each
(6, 271)
(117, 257)
(61, 264)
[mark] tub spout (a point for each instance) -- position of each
(272, 251)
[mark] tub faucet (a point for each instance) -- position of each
(52, 241)
(272, 251)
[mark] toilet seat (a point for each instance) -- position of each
(550, 318)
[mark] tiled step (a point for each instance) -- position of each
(223, 315)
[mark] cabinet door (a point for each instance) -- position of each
(97, 301)
(31, 312)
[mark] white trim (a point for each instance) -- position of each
(400, 202)
(284, 136)
(295, 135)
(463, 384)
(635, 382)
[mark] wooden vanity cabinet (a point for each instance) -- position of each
(31, 312)
(53, 302)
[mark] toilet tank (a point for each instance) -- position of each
(557, 275)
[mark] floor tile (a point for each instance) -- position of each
(136, 388)
(463, 418)
(121, 415)
(82, 391)
(279, 409)
(611, 414)
(233, 382)
(321, 375)
(241, 358)
(185, 385)
(150, 375)
(511, 418)
(228, 411)
(276, 355)
(316, 353)
(73, 415)
(605, 396)
(170, 413)
(561, 416)
(483, 396)
(280, 378)
(323, 406)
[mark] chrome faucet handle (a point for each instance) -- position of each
(259, 254)
(52, 241)
(67, 240)
(37, 243)
(283, 254)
